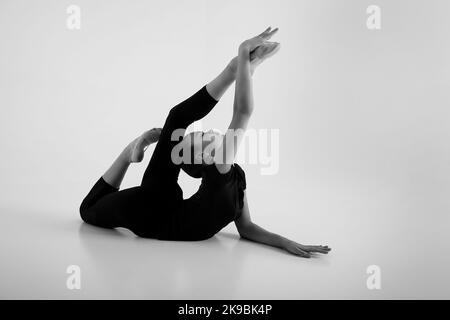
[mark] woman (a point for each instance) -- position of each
(156, 208)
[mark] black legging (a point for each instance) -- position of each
(147, 209)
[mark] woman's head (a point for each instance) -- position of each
(199, 150)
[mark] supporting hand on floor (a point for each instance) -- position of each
(302, 250)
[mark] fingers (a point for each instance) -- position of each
(265, 32)
(271, 49)
(264, 51)
(317, 249)
(262, 39)
(302, 253)
(271, 33)
(297, 250)
(307, 251)
(268, 33)
(305, 254)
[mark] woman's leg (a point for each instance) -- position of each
(134, 152)
(110, 182)
(116, 172)
(106, 207)
(161, 169)
(220, 84)
(100, 190)
(225, 79)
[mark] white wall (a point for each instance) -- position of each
(363, 115)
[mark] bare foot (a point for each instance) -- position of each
(135, 150)
(257, 56)
(265, 51)
(262, 53)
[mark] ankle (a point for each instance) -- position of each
(125, 156)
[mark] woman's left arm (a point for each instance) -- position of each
(251, 231)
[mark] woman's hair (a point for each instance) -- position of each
(192, 168)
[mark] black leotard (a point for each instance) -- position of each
(156, 208)
(218, 202)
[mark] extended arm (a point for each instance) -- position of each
(251, 231)
(201, 103)
(243, 99)
(216, 88)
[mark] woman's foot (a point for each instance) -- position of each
(265, 51)
(257, 56)
(262, 53)
(134, 152)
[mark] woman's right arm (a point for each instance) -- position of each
(243, 103)
(251, 231)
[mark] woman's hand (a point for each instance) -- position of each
(249, 45)
(257, 56)
(261, 52)
(304, 251)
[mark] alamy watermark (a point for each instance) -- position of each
(374, 19)
(260, 147)
(73, 21)
(73, 281)
(373, 281)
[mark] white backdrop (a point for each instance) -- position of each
(363, 116)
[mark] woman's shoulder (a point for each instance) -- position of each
(238, 168)
(235, 172)
(212, 171)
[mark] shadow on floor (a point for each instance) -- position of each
(186, 268)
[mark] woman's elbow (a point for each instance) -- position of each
(242, 114)
(243, 108)
(243, 235)
(174, 113)
(245, 230)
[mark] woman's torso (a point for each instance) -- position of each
(218, 201)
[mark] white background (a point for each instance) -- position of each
(364, 154)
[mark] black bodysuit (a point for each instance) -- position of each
(156, 208)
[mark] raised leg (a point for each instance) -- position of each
(161, 168)
(104, 206)
(225, 79)
(116, 172)
(220, 84)
(134, 152)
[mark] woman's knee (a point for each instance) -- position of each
(85, 213)
(174, 114)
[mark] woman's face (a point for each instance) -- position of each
(202, 146)
(204, 143)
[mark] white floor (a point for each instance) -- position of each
(37, 247)
(363, 150)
